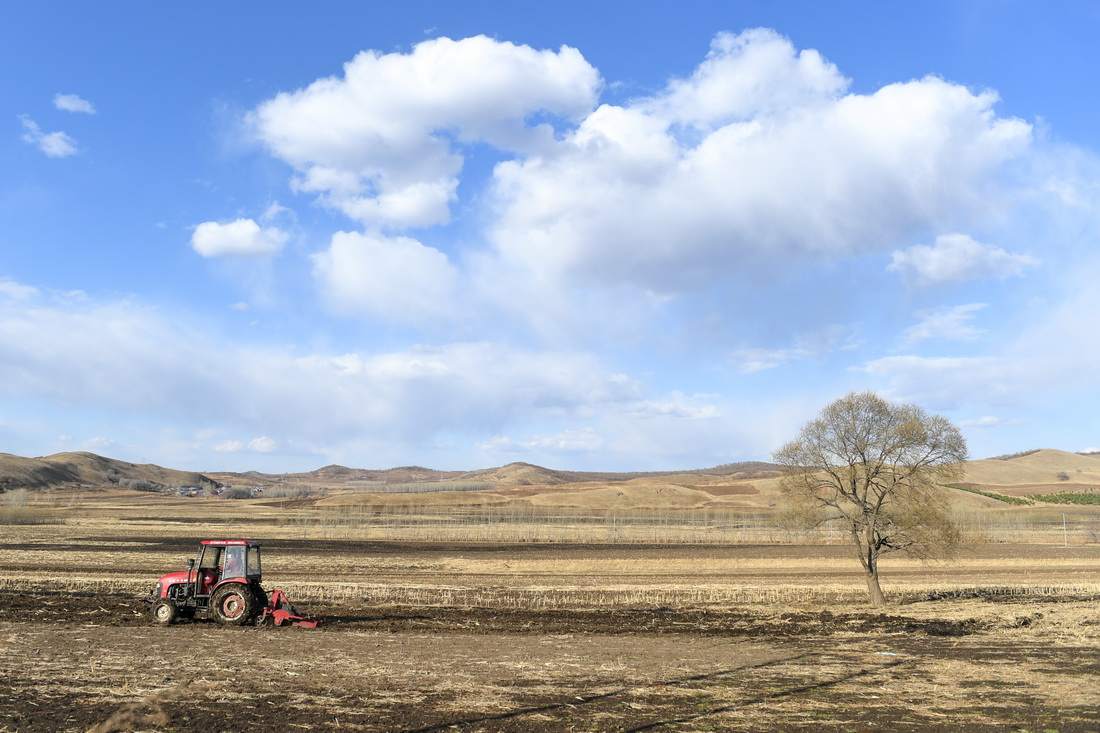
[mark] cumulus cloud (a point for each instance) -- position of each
(53, 144)
(956, 258)
(240, 238)
(397, 278)
(759, 157)
(745, 76)
(382, 143)
(719, 172)
(73, 103)
(951, 324)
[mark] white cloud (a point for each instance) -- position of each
(759, 158)
(262, 444)
(16, 291)
(990, 421)
(1046, 356)
(681, 431)
(943, 382)
(240, 238)
(662, 430)
(956, 258)
(53, 144)
(756, 73)
(398, 279)
(73, 103)
(808, 346)
(675, 405)
(1060, 343)
(672, 431)
(786, 168)
(950, 324)
(97, 444)
(382, 143)
(580, 440)
(135, 361)
(758, 360)
(256, 445)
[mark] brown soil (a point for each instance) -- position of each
(79, 662)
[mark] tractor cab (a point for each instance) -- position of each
(224, 561)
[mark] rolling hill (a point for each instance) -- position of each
(753, 486)
(72, 470)
(1035, 472)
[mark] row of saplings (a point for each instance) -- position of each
(225, 583)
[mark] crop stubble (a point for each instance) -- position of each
(548, 638)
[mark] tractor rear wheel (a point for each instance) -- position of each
(233, 604)
(165, 612)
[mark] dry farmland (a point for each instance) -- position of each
(495, 617)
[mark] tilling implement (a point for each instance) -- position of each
(225, 585)
(280, 612)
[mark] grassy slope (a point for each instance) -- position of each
(66, 469)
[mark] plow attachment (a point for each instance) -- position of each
(280, 612)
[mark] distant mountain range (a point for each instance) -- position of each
(1026, 472)
(513, 473)
(73, 470)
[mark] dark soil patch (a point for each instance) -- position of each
(107, 610)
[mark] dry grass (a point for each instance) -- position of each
(1040, 468)
(79, 557)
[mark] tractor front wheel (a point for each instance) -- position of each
(233, 604)
(165, 612)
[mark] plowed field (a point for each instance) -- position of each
(79, 660)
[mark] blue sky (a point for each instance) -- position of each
(608, 236)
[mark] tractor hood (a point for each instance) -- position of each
(173, 578)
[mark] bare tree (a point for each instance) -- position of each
(875, 468)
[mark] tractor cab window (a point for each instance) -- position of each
(233, 561)
(211, 558)
(254, 562)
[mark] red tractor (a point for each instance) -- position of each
(226, 584)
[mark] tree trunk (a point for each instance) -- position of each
(873, 589)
